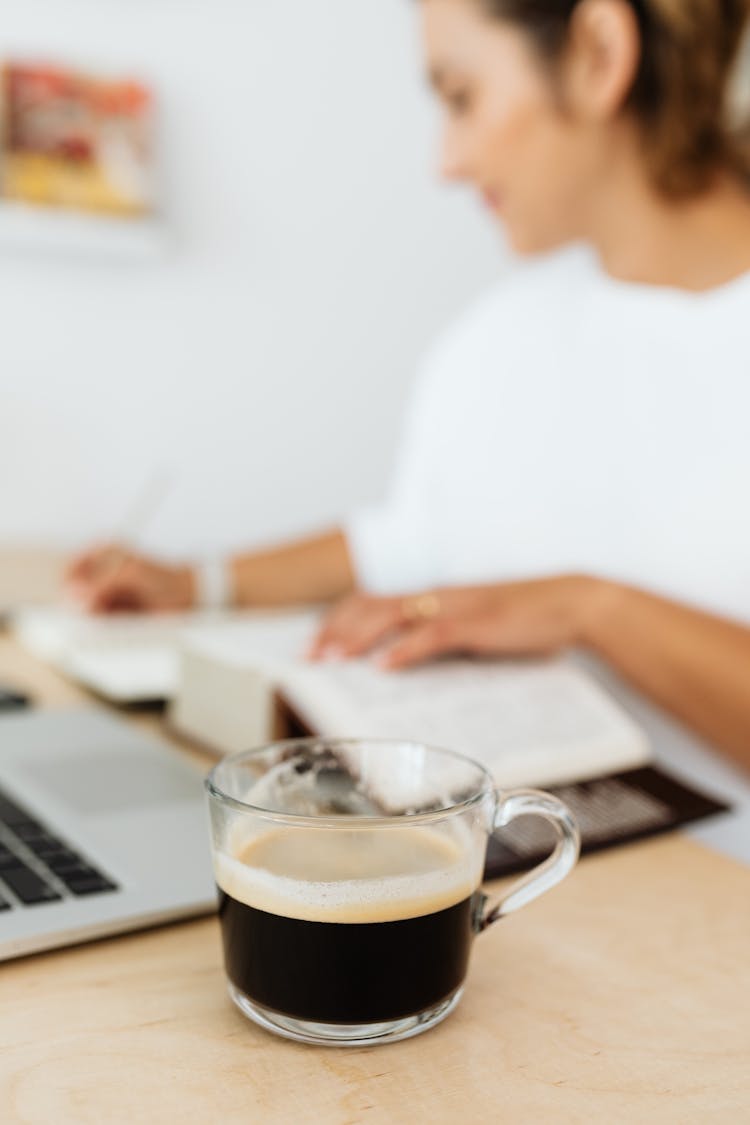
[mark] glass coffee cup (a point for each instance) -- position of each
(349, 876)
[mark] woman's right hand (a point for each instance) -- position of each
(110, 579)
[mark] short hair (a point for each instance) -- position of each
(692, 80)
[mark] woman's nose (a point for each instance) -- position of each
(454, 162)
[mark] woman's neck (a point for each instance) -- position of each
(697, 244)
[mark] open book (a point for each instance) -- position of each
(529, 722)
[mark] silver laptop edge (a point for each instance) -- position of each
(127, 805)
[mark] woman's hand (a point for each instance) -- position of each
(690, 662)
(110, 578)
(515, 618)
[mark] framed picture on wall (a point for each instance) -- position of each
(77, 160)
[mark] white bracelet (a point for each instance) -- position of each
(213, 580)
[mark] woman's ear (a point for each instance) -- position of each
(602, 58)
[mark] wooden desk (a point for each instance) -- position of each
(622, 996)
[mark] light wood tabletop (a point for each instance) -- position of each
(621, 996)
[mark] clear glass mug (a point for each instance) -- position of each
(349, 876)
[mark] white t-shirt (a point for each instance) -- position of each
(571, 423)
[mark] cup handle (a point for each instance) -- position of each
(532, 802)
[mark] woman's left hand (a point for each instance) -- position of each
(539, 617)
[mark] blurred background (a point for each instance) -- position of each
(258, 345)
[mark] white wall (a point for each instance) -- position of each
(265, 360)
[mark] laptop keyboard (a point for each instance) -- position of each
(36, 866)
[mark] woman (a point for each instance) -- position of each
(618, 131)
(611, 423)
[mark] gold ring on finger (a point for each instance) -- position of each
(422, 607)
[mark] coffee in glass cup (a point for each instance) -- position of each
(349, 876)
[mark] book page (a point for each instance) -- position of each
(532, 722)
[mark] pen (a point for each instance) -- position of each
(141, 509)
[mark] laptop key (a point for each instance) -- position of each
(67, 865)
(32, 832)
(70, 867)
(82, 878)
(72, 871)
(10, 811)
(4, 904)
(78, 876)
(68, 870)
(55, 853)
(28, 886)
(7, 857)
(91, 885)
(11, 814)
(57, 856)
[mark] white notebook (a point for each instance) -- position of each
(126, 657)
(538, 722)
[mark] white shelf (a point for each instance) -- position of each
(53, 230)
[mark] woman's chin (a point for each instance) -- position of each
(527, 240)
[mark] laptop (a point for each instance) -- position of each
(102, 830)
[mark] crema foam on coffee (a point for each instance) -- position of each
(355, 876)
